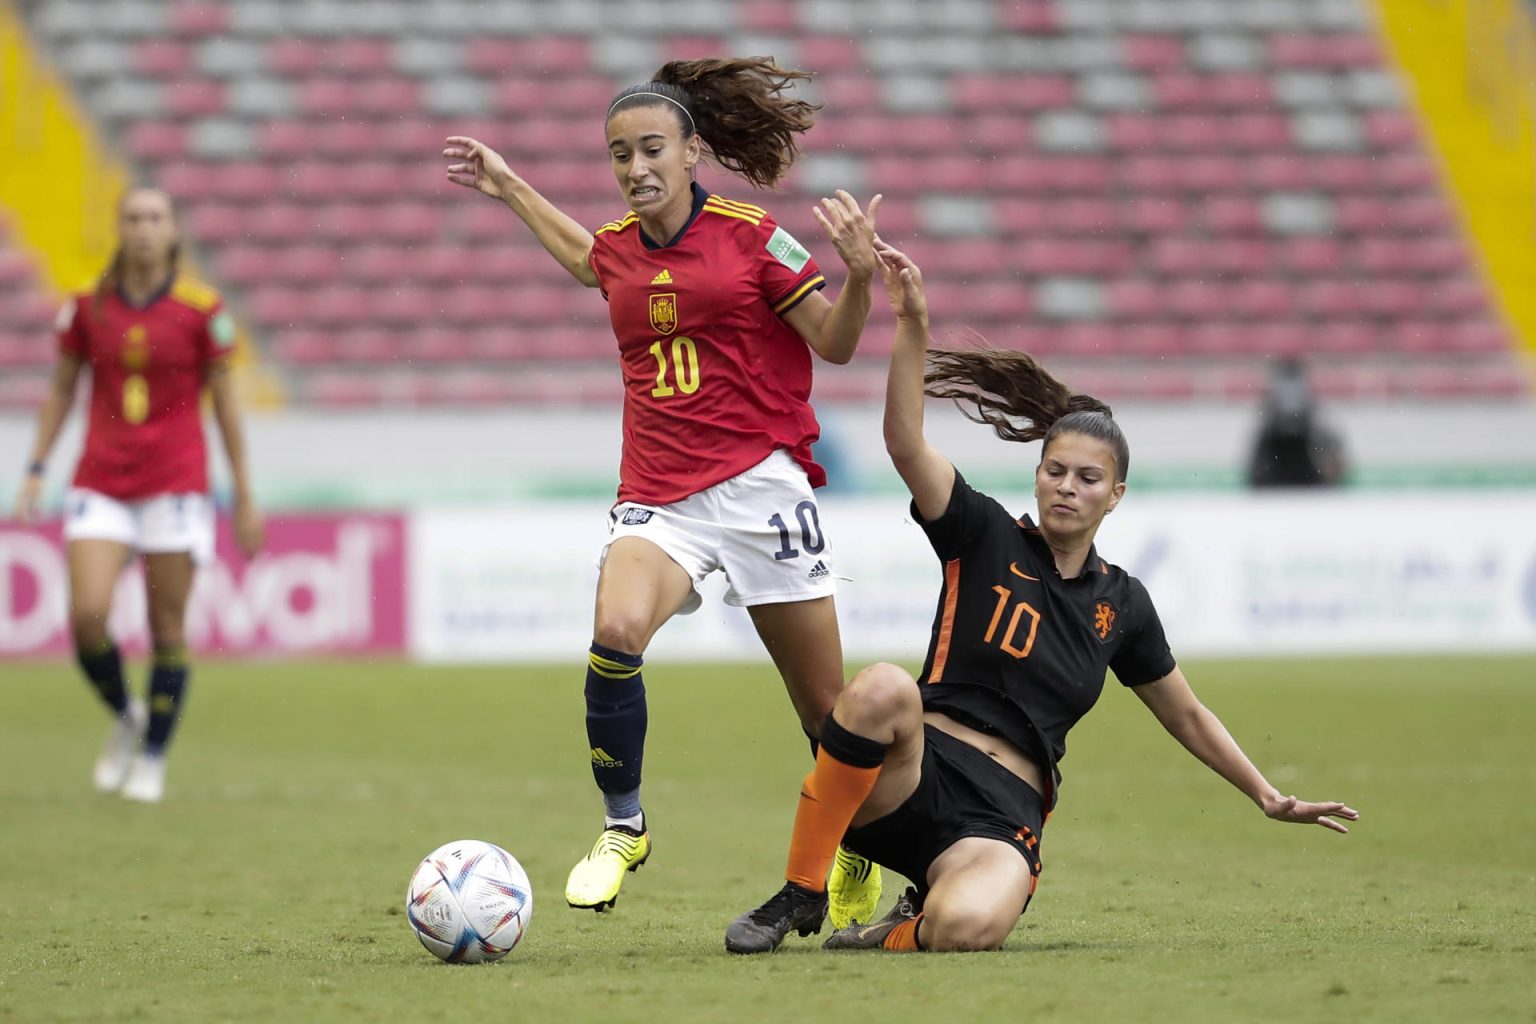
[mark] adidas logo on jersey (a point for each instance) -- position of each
(665, 277)
(819, 570)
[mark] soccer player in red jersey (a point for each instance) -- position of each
(153, 339)
(717, 311)
(950, 782)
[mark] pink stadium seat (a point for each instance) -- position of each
(162, 58)
(1316, 255)
(306, 347)
(194, 97)
(766, 16)
(990, 93)
(1029, 16)
(1323, 51)
(1153, 215)
(1484, 334)
(495, 55)
(1391, 129)
(1137, 299)
(1232, 215)
(197, 18)
(847, 91)
(1278, 172)
(1153, 53)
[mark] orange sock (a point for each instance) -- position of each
(828, 800)
(903, 938)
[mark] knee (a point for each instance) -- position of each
(619, 630)
(89, 626)
(966, 929)
(880, 695)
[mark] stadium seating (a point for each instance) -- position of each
(1157, 194)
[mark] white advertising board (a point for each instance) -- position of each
(1231, 575)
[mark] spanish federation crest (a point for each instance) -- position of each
(664, 312)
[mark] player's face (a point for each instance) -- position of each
(652, 162)
(147, 226)
(1075, 485)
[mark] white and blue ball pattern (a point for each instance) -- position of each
(469, 902)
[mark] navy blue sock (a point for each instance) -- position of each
(104, 668)
(616, 722)
(815, 744)
(167, 686)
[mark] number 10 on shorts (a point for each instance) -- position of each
(810, 532)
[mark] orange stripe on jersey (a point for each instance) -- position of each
(756, 211)
(799, 293)
(947, 623)
(725, 212)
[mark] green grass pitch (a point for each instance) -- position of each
(269, 884)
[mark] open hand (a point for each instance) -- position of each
(1288, 808)
(903, 282)
(851, 230)
(28, 497)
(480, 167)
(250, 532)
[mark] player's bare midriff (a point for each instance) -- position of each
(995, 747)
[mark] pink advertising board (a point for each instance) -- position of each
(332, 583)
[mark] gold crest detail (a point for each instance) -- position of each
(664, 312)
(135, 353)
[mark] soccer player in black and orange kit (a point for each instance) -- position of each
(949, 779)
(153, 339)
(716, 310)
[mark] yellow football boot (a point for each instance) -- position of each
(595, 880)
(853, 889)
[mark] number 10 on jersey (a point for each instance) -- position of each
(684, 367)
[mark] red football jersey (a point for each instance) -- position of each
(145, 432)
(714, 380)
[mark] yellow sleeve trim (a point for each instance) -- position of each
(191, 292)
(798, 294)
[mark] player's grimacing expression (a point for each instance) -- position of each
(1076, 484)
(651, 160)
(147, 225)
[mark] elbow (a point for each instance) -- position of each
(838, 358)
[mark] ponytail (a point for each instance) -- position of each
(1015, 396)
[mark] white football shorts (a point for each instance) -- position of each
(761, 528)
(162, 524)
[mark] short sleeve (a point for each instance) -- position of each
(70, 330)
(787, 271)
(597, 270)
(967, 518)
(1143, 656)
(219, 334)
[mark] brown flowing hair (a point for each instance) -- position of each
(736, 106)
(110, 278)
(1020, 400)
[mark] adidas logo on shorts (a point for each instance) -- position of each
(819, 570)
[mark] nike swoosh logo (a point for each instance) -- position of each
(864, 933)
(1013, 567)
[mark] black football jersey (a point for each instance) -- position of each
(1018, 651)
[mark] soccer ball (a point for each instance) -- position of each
(469, 902)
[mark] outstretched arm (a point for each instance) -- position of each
(61, 393)
(832, 329)
(484, 169)
(1202, 734)
(927, 473)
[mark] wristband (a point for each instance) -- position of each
(35, 468)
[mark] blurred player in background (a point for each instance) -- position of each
(717, 310)
(950, 782)
(153, 339)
